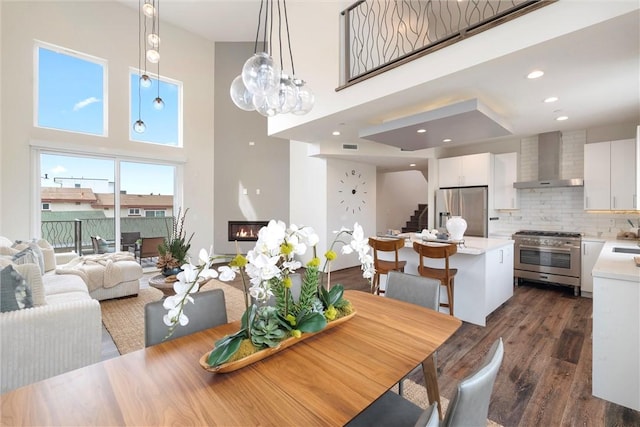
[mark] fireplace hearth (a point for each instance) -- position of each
(245, 231)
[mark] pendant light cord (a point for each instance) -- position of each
(158, 45)
(255, 46)
(139, 56)
(286, 21)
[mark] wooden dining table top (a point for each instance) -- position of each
(326, 379)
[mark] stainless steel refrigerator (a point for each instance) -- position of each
(470, 203)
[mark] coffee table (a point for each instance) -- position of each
(159, 283)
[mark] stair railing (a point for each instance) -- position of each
(422, 218)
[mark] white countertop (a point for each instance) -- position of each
(617, 265)
(472, 245)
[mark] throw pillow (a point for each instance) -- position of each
(33, 254)
(48, 255)
(33, 277)
(14, 291)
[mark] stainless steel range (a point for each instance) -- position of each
(548, 256)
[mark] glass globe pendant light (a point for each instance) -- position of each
(139, 126)
(260, 74)
(145, 81)
(153, 56)
(304, 98)
(158, 103)
(153, 40)
(287, 92)
(148, 9)
(263, 85)
(240, 95)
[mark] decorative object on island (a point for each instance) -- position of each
(174, 248)
(149, 43)
(265, 329)
(456, 226)
(263, 85)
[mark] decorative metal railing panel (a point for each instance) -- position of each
(377, 34)
(76, 235)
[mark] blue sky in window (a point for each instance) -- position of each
(135, 178)
(70, 93)
(162, 125)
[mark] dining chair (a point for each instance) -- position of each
(149, 247)
(422, 291)
(469, 406)
(208, 310)
(390, 409)
(128, 241)
(383, 266)
(445, 275)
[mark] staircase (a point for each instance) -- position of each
(418, 220)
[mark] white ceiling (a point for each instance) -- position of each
(594, 71)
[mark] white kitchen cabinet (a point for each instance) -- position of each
(611, 175)
(465, 171)
(590, 252)
(505, 173)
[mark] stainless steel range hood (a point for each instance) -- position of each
(549, 159)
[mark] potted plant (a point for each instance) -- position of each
(173, 250)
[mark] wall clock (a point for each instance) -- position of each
(352, 191)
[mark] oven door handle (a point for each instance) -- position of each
(554, 249)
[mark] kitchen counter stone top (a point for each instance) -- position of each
(617, 265)
(471, 246)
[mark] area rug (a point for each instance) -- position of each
(417, 394)
(124, 318)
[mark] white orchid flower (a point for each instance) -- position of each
(261, 292)
(181, 288)
(272, 235)
(226, 273)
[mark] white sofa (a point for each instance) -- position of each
(60, 333)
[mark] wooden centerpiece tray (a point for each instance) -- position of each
(264, 353)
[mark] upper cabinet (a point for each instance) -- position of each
(611, 175)
(465, 171)
(505, 173)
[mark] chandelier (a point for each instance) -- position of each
(263, 85)
(149, 43)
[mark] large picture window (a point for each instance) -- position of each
(162, 126)
(70, 90)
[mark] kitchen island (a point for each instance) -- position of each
(616, 324)
(485, 274)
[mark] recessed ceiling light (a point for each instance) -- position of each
(335, 133)
(561, 118)
(551, 99)
(446, 140)
(421, 130)
(252, 143)
(413, 165)
(535, 74)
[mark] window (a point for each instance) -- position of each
(46, 207)
(162, 126)
(154, 214)
(134, 211)
(70, 90)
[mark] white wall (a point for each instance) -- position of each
(108, 30)
(399, 194)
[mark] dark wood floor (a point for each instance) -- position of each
(545, 377)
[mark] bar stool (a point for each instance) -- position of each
(382, 266)
(444, 275)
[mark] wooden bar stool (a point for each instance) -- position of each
(444, 275)
(382, 266)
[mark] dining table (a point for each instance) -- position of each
(326, 379)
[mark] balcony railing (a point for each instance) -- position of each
(378, 35)
(76, 235)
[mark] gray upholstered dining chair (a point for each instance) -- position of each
(393, 410)
(418, 290)
(469, 406)
(208, 311)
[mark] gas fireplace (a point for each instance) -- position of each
(245, 231)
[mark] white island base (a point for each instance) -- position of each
(484, 280)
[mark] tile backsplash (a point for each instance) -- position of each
(559, 209)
